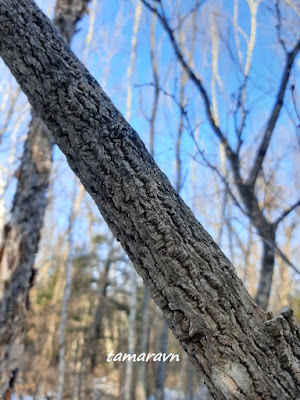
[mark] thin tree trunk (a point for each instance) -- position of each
(97, 329)
(22, 233)
(66, 297)
(21, 237)
(131, 334)
(226, 335)
(284, 289)
(161, 371)
(182, 376)
(141, 372)
(266, 272)
(190, 383)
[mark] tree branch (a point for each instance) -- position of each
(286, 260)
(286, 212)
(194, 78)
(262, 150)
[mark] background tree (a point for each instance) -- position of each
(22, 234)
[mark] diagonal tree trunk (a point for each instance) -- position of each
(241, 353)
(22, 233)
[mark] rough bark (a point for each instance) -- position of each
(21, 235)
(241, 353)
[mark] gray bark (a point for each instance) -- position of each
(241, 354)
(20, 241)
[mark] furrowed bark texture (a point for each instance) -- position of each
(240, 353)
(22, 233)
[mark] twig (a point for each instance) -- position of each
(286, 212)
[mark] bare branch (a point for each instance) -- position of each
(199, 150)
(192, 11)
(278, 27)
(262, 150)
(194, 78)
(287, 212)
(223, 179)
(293, 7)
(156, 85)
(286, 260)
(294, 102)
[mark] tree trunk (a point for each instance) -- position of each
(161, 371)
(131, 335)
(141, 387)
(190, 383)
(266, 272)
(241, 354)
(21, 237)
(97, 330)
(66, 296)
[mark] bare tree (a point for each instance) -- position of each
(246, 186)
(226, 335)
